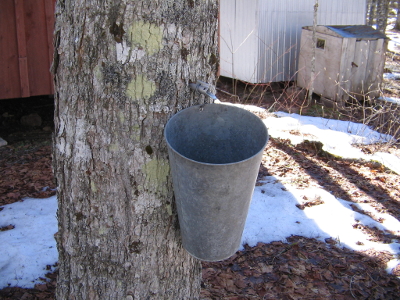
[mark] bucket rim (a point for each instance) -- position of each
(213, 164)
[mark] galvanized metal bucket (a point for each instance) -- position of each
(215, 152)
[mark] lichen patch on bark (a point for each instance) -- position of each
(140, 88)
(93, 187)
(147, 36)
(156, 172)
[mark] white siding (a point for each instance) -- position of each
(238, 38)
(265, 34)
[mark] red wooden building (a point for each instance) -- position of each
(26, 48)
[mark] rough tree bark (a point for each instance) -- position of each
(121, 70)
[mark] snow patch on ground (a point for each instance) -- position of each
(336, 136)
(30, 247)
(274, 216)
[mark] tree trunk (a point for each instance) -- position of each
(371, 9)
(121, 70)
(381, 14)
(397, 25)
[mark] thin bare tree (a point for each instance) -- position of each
(381, 14)
(397, 24)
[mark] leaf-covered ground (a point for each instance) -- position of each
(301, 269)
(26, 171)
(306, 268)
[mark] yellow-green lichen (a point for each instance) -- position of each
(156, 172)
(169, 209)
(147, 36)
(97, 73)
(140, 88)
(121, 117)
(136, 128)
(135, 133)
(113, 147)
(93, 187)
(103, 230)
(135, 137)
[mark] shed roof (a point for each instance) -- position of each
(350, 31)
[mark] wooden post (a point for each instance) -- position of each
(314, 40)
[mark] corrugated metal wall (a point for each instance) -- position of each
(260, 38)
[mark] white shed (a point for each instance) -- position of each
(349, 61)
(259, 39)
